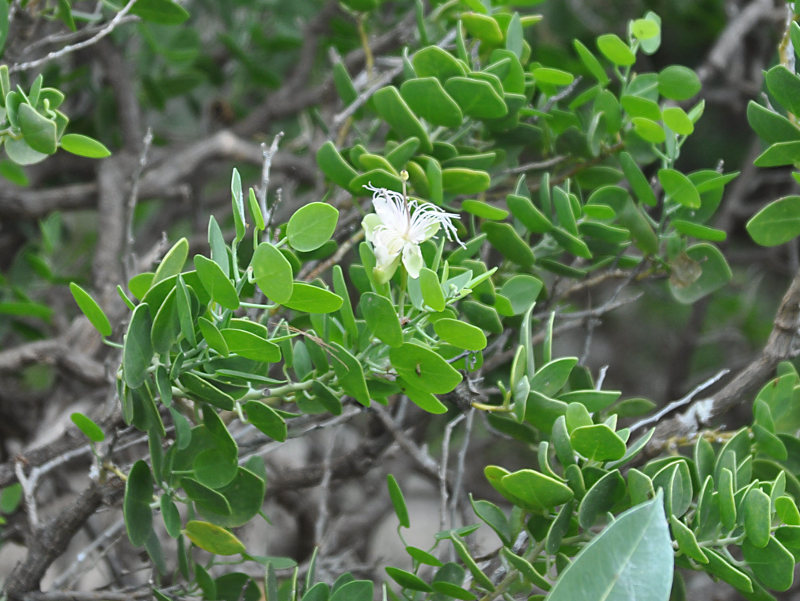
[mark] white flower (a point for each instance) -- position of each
(397, 228)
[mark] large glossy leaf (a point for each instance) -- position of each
(776, 223)
(311, 226)
(631, 559)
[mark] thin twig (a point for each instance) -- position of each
(111, 26)
(85, 554)
(461, 465)
(128, 257)
(421, 457)
(679, 403)
(28, 493)
(443, 494)
(325, 485)
(267, 153)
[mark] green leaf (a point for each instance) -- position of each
(171, 516)
(422, 398)
(772, 564)
(679, 188)
(461, 180)
(204, 497)
(460, 334)
(355, 590)
(213, 539)
(86, 425)
(13, 173)
(216, 283)
(334, 166)
(391, 107)
(10, 498)
(398, 501)
(779, 154)
(536, 491)
(39, 131)
(266, 419)
(173, 261)
(648, 130)
(84, 146)
(250, 345)
(701, 232)
(529, 215)
(494, 517)
(481, 578)
(677, 82)
(597, 442)
(725, 498)
(600, 498)
(615, 50)
(203, 390)
(433, 61)
(136, 504)
(272, 272)
(776, 223)
(138, 349)
(757, 511)
(164, 12)
(90, 309)
(21, 153)
(381, 318)
(483, 27)
(591, 63)
(431, 289)
(687, 542)
(312, 299)
(407, 580)
(721, 568)
(423, 557)
(311, 226)
(212, 336)
(551, 377)
(428, 99)
(483, 210)
(784, 87)
(714, 275)
(553, 76)
(505, 239)
(638, 182)
(770, 126)
(349, 373)
(476, 97)
(424, 369)
(632, 553)
(677, 120)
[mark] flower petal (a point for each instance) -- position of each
(370, 223)
(383, 272)
(412, 259)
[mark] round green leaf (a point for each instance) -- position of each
(213, 336)
(590, 61)
(597, 442)
(84, 146)
(535, 490)
(312, 299)
(311, 226)
(165, 12)
(484, 210)
(251, 346)
(266, 419)
(679, 188)
(648, 130)
(39, 131)
(677, 120)
(204, 496)
(460, 334)
(431, 289)
(90, 309)
(422, 398)
(334, 166)
(203, 390)
(213, 539)
(427, 98)
(784, 87)
(714, 274)
(393, 109)
(757, 517)
(483, 27)
(615, 50)
(553, 76)
(216, 283)
(600, 498)
(433, 61)
(85, 424)
(424, 369)
(776, 223)
(529, 214)
(611, 565)
(677, 82)
(476, 97)
(505, 239)
(381, 318)
(772, 564)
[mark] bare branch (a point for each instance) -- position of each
(111, 26)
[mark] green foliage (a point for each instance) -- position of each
(457, 252)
